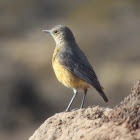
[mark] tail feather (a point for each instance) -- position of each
(100, 89)
(101, 92)
(103, 95)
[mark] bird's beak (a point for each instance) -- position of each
(46, 31)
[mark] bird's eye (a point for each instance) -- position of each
(55, 31)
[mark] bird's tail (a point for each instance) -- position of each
(99, 88)
(103, 95)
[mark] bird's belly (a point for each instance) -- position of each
(67, 78)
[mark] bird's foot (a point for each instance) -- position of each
(74, 109)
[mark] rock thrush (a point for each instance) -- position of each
(71, 66)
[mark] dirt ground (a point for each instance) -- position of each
(120, 123)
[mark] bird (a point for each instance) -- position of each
(71, 66)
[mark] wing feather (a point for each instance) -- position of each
(77, 63)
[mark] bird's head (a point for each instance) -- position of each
(61, 34)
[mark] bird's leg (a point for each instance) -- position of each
(82, 104)
(72, 99)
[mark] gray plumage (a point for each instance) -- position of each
(73, 59)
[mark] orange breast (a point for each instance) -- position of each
(66, 77)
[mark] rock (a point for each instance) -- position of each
(95, 123)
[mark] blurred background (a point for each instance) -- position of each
(107, 31)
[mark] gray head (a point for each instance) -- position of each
(61, 34)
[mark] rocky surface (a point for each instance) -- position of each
(95, 123)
